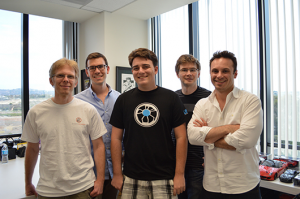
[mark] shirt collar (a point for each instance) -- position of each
(235, 93)
(94, 94)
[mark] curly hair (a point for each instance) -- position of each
(144, 53)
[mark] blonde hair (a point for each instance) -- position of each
(62, 62)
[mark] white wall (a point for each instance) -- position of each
(113, 35)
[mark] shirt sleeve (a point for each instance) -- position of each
(116, 118)
(196, 135)
(251, 126)
(29, 133)
(178, 112)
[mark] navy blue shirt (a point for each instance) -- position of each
(195, 153)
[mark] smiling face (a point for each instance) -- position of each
(222, 75)
(188, 78)
(64, 81)
(144, 73)
(98, 77)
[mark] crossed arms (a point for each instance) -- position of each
(206, 132)
(216, 135)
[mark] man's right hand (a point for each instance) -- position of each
(117, 182)
(30, 190)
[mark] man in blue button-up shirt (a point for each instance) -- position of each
(103, 98)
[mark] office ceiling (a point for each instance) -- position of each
(93, 5)
(81, 10)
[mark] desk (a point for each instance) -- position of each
(12, 178)
(280, 186)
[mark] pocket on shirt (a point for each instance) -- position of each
(233, 117)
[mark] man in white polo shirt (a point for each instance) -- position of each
(63, 125)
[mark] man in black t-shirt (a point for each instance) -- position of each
(148, 114)
(188, 71)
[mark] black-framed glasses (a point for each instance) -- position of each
(185, 70)
(100, 67)
(62, 76)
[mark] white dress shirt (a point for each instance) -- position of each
(229, 171)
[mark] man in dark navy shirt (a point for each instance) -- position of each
(188, 71)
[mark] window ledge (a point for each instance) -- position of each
(280, 186)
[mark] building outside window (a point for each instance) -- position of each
(45, 47)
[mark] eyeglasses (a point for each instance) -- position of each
(100, 67)
(61, 76)
(192, 70)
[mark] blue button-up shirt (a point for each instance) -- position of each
(105, 111)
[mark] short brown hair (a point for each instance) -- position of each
(144, 53)
(62, 62)
(186, 59)
(94, 56)
(224, 54)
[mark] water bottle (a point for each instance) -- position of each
(4, 154)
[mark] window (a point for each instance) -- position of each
(174, 42)
(10, 75)
(267, 47)
(284, 66)
(45, 38)
(45, 47)
(232, 26)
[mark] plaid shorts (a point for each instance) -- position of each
(140, 189)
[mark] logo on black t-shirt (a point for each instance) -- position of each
(185, 112)
(146, 114)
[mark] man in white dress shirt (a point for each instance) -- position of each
(228, 124)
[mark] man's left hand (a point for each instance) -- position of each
(98, 188)
(179, 184)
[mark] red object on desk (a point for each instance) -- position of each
(271, 173)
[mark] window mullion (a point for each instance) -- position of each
(25, 66)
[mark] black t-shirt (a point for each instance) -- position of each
(148, 118)
(195, 153)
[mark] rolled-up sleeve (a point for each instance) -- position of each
(251, 126)
(196, 135)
